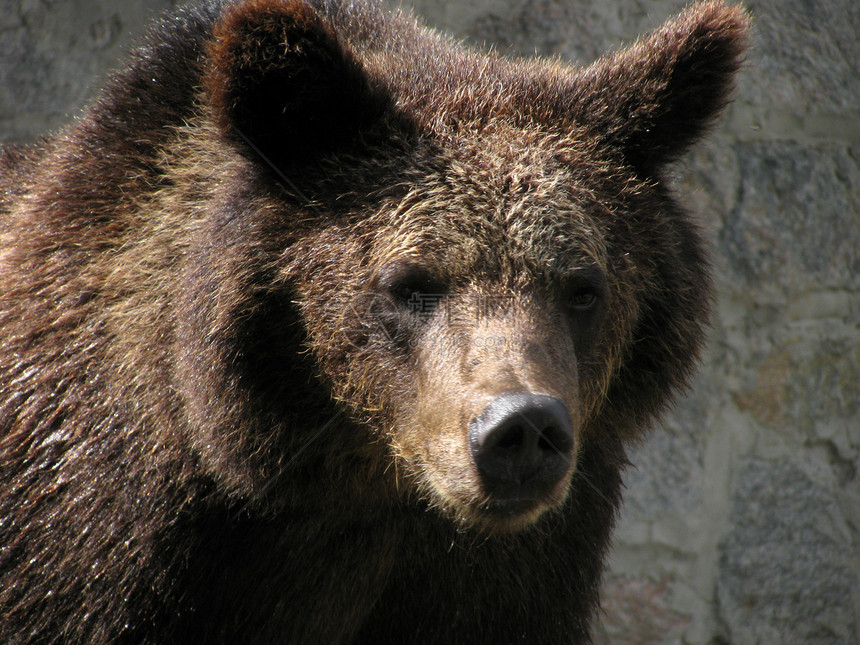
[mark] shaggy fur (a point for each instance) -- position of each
(222, 415)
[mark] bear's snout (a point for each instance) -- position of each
(522, 445)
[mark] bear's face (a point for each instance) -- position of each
(472, 324)
(485, 263)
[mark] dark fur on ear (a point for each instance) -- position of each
(656, 97)
(281, 81)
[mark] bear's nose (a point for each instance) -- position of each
(522, 445)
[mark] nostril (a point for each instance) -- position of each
(511, 438)
(554, 439)
(545, 442)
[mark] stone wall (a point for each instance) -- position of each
(742, 515)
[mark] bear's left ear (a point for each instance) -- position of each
(656, 97)
(281, 83)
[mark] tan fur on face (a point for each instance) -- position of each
(463, 368)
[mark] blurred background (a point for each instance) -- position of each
(741, 522)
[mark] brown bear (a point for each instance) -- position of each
(321, 327)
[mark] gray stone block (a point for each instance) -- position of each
(666, 472)
(805, 384)
(788, 567)
(796, 225)
(786, 215)
(52, 52)
(639, 611)
(805, 58)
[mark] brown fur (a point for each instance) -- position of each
(221, 419)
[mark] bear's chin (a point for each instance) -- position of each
(504, 519)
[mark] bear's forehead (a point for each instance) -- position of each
(509, 177)
(518, 211)
(515, 167)
(498, 168)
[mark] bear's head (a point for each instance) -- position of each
(473, 263)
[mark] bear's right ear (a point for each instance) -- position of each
(281, 83)
(653, 99)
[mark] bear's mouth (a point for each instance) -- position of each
(508, 499)
(515, 509)
(508, 515)
(511, 509)
(507, 508)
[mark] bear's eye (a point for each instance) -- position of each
(582, 300)
(584, 290)
(412, 286)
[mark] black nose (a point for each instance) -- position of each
(522, 444)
